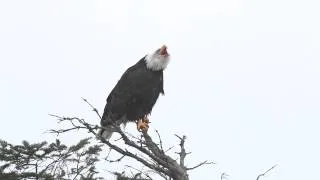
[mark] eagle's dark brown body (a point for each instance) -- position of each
(134, 95)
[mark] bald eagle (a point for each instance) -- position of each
(135, 94)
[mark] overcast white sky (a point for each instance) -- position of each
(243, 83)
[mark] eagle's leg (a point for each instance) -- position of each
(143, 124)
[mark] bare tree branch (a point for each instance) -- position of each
(160, 141)
(169, 149)
(91, 129)
(176, 171)
(182, 153)
(93, 108)
(263, 174)
(202, 163)
(121, 176)
(223, 176)
(140, 171)
(116, 160)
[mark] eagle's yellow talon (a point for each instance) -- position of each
(143, 124)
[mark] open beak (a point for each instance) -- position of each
(163, 50)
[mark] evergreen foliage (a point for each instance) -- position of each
(49, 161)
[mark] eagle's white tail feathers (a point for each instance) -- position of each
(106, 133)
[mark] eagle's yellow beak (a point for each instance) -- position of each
(163, 50)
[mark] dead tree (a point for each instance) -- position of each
(152, 155)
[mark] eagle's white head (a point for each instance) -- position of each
(158, 60)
